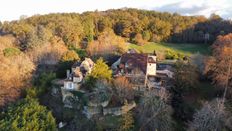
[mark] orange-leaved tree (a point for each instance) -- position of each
(219, 65)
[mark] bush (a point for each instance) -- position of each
(173, 55)
(44, 83)
(11, 52)
(82, 53)
(90, 83)
(31, 92)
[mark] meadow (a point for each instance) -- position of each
(183, 48)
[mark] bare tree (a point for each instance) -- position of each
(154, 113)
(48, 53)
(123, 89)
(211, 117)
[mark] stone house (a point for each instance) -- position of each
(97, 100)
(75, 78)
(141, 70)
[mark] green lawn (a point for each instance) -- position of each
(183, 48)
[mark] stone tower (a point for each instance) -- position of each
(151, 66)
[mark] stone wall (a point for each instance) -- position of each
(119, 110)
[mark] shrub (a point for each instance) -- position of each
(31, 92)
(11, 51)
(173, 55)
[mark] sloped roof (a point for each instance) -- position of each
(135, 60)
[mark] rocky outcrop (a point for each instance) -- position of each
(119, 110)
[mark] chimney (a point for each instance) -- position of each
(68, 74)
(154, 53)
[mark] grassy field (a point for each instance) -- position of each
(186, 49)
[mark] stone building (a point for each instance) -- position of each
(74, 79)
(97, 101)
(141, 70)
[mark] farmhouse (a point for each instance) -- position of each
(97, 101)
(142, 70)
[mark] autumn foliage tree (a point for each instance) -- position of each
(139, 39)
(48, 53)
(107, 44)
(219, 66)
(15, 70)
(123, 89)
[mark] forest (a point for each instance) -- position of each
(38, 49)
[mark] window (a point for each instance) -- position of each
(70, 85)
(151, 60)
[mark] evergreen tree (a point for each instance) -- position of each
(27, 115)
(127, 122)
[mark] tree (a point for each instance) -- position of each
(154, 113)
(48, 53)
(139, 39)
(127, 122)
(27, 115)
(123, 28)
(107, 44)
(218, 67)
(44, 82)
(161, 30)
(211, 117)
(103, 24)
(88, 24)
(67, 60)
(8, 41)
(101, 70)
(146, 35)
(186, 76)
(123, 89)
(199, 61)
(15, 71)
(70, 55)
